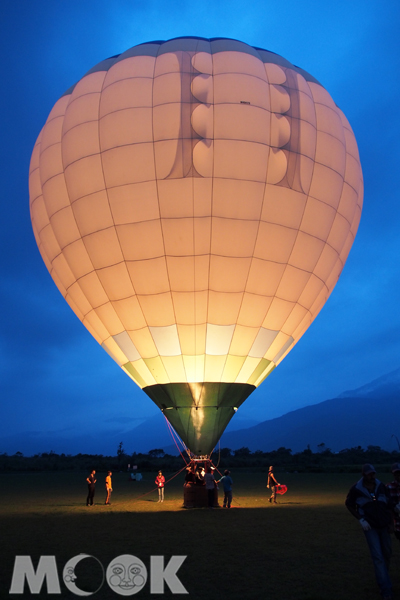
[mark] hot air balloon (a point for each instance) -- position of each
(195, 200)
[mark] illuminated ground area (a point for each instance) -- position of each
(308, 547)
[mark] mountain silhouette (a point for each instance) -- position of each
(366, 416)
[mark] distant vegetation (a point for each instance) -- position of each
(348, 460)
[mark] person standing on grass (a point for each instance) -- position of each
(91, 488)
(108, 487)
(369, 501)
(210, 485)
(227, 482)
(272, 483)
(160, 483)
(394, 490)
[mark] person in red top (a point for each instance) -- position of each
(160, 483)
(394, 490)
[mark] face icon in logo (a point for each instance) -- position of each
(70, 577)
(126, 575)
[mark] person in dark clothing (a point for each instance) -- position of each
(394, 491)
(369, 501)
(91, 487)
(199, 474)
(190, 477)
(227, 483)
(272, 483)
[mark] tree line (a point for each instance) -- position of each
(283, 459)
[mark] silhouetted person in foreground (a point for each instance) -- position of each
(91, 487)
(394, 491)
(369, 501)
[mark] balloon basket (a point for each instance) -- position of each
(195, 496)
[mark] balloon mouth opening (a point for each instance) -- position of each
(199, 413)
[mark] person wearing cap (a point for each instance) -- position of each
(369, 501)
(394, 490)
(227, 482)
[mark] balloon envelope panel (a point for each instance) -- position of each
(195, 202)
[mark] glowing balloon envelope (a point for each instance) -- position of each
(195, 201)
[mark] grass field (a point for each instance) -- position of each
(307, 547)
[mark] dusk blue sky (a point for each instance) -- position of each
(56, 382)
